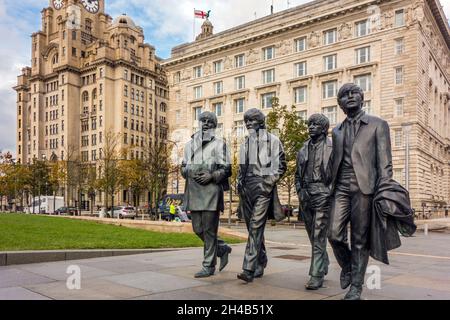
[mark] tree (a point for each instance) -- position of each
(109, 176)
(132, 178)
(56, 178)
(292, 132)
(39, 178)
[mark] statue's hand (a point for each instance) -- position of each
(203, 178)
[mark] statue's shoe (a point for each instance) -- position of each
(346, 279)
(354, 293)
(204, 273)
(246, 276)
(224, 259)
(314, 283)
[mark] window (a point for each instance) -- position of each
(364, 81)
(74, 52)
(399, 75)
(399, 46)
(329, 89)
(362, 28)
(197, 113)
(239, 105)
(266, 100)
(218, 87)
(398, 107)
(268, 76)
(399, 18)
(399, 176)
(84, 141)
(239, 61)
(74, 35)
(367, 107)
(239, 127)
(300, 69)
(330, 62)
(198, 92)
(398, 138)
(94, 139)
(218, 66)
(125, 122)
(177, 77)
(218, 109)
(300, 94)
(329, 36)
(300, 44)
(331, 114)
(239, 82)
(302, 115)
(125, 91)
(268, 53)
(362, 55)
(198, 72)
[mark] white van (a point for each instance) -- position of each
(47, 204)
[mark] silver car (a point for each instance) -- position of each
(122, 212)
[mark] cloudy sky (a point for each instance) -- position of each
(166, 23)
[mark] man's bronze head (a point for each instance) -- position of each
(318, 124)
(254, 119)
(350, 98)
(208, 121)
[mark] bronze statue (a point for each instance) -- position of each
(312, 185)
(206, 167)
(262, 164)
(361, 179)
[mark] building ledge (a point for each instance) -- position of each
(202, 100)
(299, 79)
(363, 65)
(217, 96)
(330, 73)
(269, 85)
(237, 92)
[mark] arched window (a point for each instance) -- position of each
(55, 59)
(94, 94)
(85, 96)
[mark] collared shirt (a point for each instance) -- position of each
(313, 171)
(351, 127)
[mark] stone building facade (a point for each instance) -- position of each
(396, 50)
(89, 75)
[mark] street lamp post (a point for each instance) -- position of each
(407, 130)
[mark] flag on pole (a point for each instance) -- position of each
(201, 14)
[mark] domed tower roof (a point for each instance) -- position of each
(207, 30)
(124, 20)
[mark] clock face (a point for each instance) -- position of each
(91, 5)
(58, 4)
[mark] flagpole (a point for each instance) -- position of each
(193, 28)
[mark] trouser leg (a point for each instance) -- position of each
(319, 260)
(256, 228)
(205, 225)
(337, 233)
(360, 226)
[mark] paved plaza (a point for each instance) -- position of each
(418, 270)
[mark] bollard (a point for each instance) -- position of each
(426, 229)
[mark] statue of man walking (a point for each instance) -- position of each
(206, 167)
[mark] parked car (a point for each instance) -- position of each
(122, 212)
(66, 210)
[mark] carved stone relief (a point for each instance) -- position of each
(345, 31)
(314, 39)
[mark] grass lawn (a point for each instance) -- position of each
(36, 232)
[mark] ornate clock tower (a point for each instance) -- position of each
(89, 75)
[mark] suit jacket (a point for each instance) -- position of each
(391, 215)
(273, 163)
(302, 160)
(371, 153)
(212, 156)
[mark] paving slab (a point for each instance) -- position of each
(184, 294)
(154, 282)
(13, 277)
(58, 270)
(18, 293)
(91, 289)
